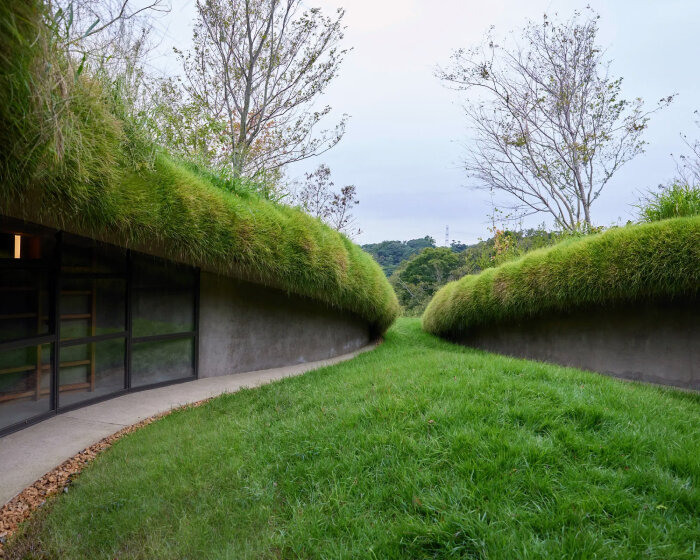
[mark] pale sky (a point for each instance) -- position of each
(406, 135)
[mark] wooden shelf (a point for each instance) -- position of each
(75, 387)
(19, 316)
(17, 369)
(76, 363)
(68, 388)
(18, 289)
(16, 396)
(28, 367)
(70, 316)
(37, 392)
(79, 269)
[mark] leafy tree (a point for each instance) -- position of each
(421, 243)
(551, 128)
(389, 254)
(458, 246)
(430, 266)
(417, 279)
(251, 77)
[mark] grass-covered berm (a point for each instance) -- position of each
(655, 262)
(72, 157)
(417, 449)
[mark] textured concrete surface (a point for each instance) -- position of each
(246, 326)
(652, 343)
(27, 455)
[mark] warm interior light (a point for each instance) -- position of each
(18, 246)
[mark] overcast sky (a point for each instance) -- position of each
(407, 133)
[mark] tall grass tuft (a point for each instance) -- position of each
(673, 201)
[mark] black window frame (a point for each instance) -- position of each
(193, 334)
(51, 265)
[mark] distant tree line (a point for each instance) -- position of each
(417, 277)
(390, 254)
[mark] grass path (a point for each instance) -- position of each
(418, 449)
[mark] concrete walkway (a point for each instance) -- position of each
(27, 455)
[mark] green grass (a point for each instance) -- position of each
(659, 261)
(70, 158)
(418, 449)
(672, 201)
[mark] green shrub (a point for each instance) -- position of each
(418, 278)
(676, 200)
(657, 261)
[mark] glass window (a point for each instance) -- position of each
(7, 245)
(92, 303)
(25, 382)
(91, 370)
(92, 307)
(86, 256)
(24, 303)
(164, 297)
(167, 360)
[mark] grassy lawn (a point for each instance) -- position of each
(419, 449)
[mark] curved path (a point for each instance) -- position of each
(27, 455)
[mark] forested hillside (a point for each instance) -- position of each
(390, 254)
(417, 276)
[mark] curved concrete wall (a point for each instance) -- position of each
(247, 327)
(653, 343)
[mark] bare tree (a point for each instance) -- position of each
(550, 125)
(339, 216)
(318, 198)
(110, 38)
(688, 165)
(255, 68)
(91, 28)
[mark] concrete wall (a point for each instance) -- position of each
(246, 327)
(654, 343)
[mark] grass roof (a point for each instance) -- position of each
(68, 160)
(651, 262)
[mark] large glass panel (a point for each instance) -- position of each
(7, 245)
(86, 256)
(91, 307)
(25, 379)
(91, 370)
(163, 297)
(24, 303)
(155, 362)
